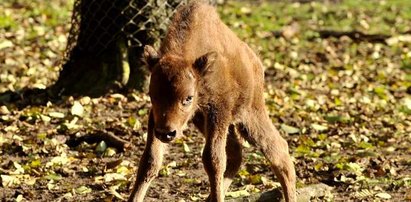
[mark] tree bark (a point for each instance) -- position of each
(106, 43)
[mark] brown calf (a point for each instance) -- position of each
(203, 72)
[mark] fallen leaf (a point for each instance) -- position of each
(110, 152)
(109, 177)
(82, 190)
(9, 180)
(58, 161)
(383, 195)
(237, 194)
(56, 115)
(19, 198)
(77, 109)
(113, 190)
(289, 129)
(4, 110)
(6, 44)
(186, 148)
(319, 127)
(255, 179)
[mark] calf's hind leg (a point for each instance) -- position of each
(234, 157)
(260, 131)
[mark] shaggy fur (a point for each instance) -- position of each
(203, 72)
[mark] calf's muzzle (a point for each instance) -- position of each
(165, 135)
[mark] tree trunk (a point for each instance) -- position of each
(105, 44)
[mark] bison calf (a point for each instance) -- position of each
(203, 72)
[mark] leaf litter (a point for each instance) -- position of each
(342, 103)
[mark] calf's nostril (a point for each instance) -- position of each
(165, 134)
(171, 134)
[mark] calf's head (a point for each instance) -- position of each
(173, 90)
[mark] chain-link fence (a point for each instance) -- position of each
(105, 42)
(96, 24)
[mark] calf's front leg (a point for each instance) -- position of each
(215, 159)
(150, 164)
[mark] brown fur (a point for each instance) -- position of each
(204, 73)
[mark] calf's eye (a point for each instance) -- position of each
(188, 100)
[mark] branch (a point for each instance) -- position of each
(100, 135)
(355, 36)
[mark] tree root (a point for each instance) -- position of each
(100, 135)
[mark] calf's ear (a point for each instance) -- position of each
(151, 56)
(203, 63)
